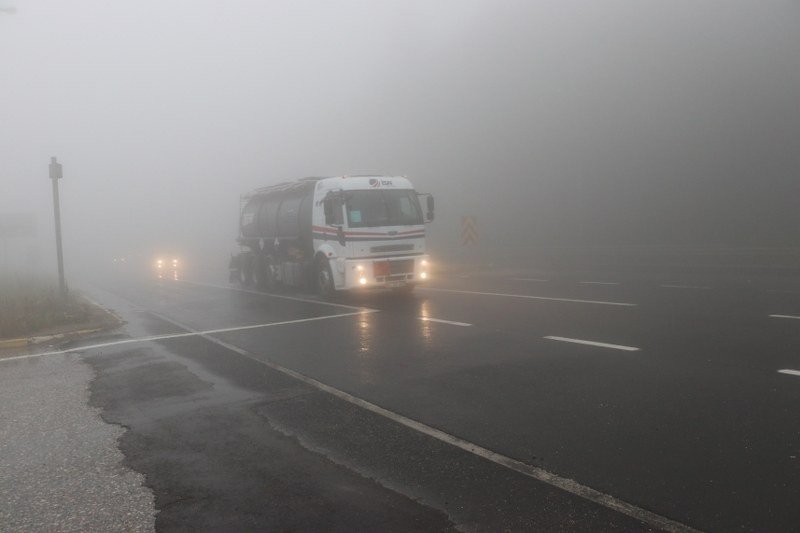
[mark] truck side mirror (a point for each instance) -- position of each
(429, 216)
(333, 211)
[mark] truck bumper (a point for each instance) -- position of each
(376, 273)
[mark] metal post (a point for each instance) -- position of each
(55, 175)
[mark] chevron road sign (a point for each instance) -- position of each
(469, 230)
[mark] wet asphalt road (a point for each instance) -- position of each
(680, 410)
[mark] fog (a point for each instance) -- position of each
(554, 123)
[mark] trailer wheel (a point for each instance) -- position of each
(323, 279)
(266, 273)
(246, 271)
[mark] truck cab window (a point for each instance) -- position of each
(373, 208)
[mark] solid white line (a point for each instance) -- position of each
(540, 474)
(530, 279)
(593, 343)
(790, 372)
(178, 335)
(700, 287)
(785, 316)
(272, 295)
(429, 319)
(625, 304)
(599, 282)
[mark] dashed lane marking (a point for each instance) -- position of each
(272, 295)
(678, 286)
(531, 279)
(785, 316)
(180, 335)
(599, 282)
(568, 485)
(451, 322)
(527, 296)
(790, 372)
(594, 343)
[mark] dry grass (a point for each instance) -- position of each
(31, 305)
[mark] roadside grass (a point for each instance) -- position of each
(31, 305)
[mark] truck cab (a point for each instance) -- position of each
(371, 232)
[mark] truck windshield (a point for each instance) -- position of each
(368, 209)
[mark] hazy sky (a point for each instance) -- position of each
(555, 122)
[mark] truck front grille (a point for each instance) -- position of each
(391, 248)
(404, 266)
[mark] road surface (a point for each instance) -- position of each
(500, 400)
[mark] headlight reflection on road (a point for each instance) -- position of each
(366, 357)
(424, 313)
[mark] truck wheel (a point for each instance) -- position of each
(265, 273)
(246, 271)
(323, 279)
(270, 273)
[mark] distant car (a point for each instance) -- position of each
(167, 266)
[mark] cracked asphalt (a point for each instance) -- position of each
(60, 466)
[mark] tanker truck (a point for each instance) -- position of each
(333, 234)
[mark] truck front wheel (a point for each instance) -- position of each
(323, 279)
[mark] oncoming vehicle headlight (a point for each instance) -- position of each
(423, 267)
(174, 262)
(362, 277)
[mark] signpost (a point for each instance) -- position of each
(55, 175)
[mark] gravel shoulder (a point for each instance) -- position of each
(60, 466)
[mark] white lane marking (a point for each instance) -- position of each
(272, 295)
(598, 302)
(593, 343)
(567, 485)
(790, 372)
(785, 316)
(451, 322)
(531, 279)
(179, 335)
(678, 286)
(599, 282)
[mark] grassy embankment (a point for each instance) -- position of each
(32, 306)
